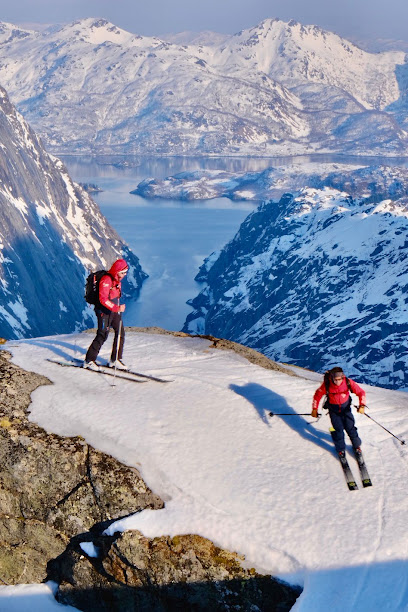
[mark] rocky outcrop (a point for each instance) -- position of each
(52, 488)
(376, 182)
(181, 573)
(58, 495)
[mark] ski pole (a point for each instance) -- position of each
(387, 430)
(117, 348)
(293, 414)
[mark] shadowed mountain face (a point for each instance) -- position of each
(317, 279)
(275, 89)
(51, 233)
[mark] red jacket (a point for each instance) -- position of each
(110, 288)
(338, 394)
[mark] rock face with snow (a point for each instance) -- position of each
(51, 234)
(186, 572)
(316, 279)
(57, 495)
(276, 88)
(52, 488)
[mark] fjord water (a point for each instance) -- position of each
(171, 237)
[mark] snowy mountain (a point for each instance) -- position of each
(269, 488)
(300, 56)
(318, 278)
(51, 234)
(277, 88)
(188, 37)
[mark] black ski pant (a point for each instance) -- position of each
(342, 419)
(106, 321)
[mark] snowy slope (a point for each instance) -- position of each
(318, 277)
(296, 54)
(51, 235)
(276, 88)
(269, 488)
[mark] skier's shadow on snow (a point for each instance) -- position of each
(265, 401)
(54, 345)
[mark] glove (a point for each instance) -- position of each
(361, 409)
(314, 414)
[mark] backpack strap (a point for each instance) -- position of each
(327, 381)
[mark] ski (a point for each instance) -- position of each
(365, 477)
(348, 474)
(105, 366)
(78, 364)
(148, 376)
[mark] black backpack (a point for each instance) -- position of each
(92, 286)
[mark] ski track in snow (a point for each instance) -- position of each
(270, 488)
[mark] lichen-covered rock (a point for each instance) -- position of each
(51, 486)
(139, 561)
(25, 547)
(182, 573)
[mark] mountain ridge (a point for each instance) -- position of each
(306, 280)
(279, 87)
(51, 233)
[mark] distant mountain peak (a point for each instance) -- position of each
(276, 88)
(97, 30)
(10, 33)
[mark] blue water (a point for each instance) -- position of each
(171, 238)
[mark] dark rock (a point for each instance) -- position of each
(182, 573)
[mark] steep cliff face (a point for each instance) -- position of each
(51, 233)
(317, 279)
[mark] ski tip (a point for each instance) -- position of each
(352, 485)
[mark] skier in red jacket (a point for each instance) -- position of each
(108, 313)
(337, 389)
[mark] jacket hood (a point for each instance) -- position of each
(120, 264)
